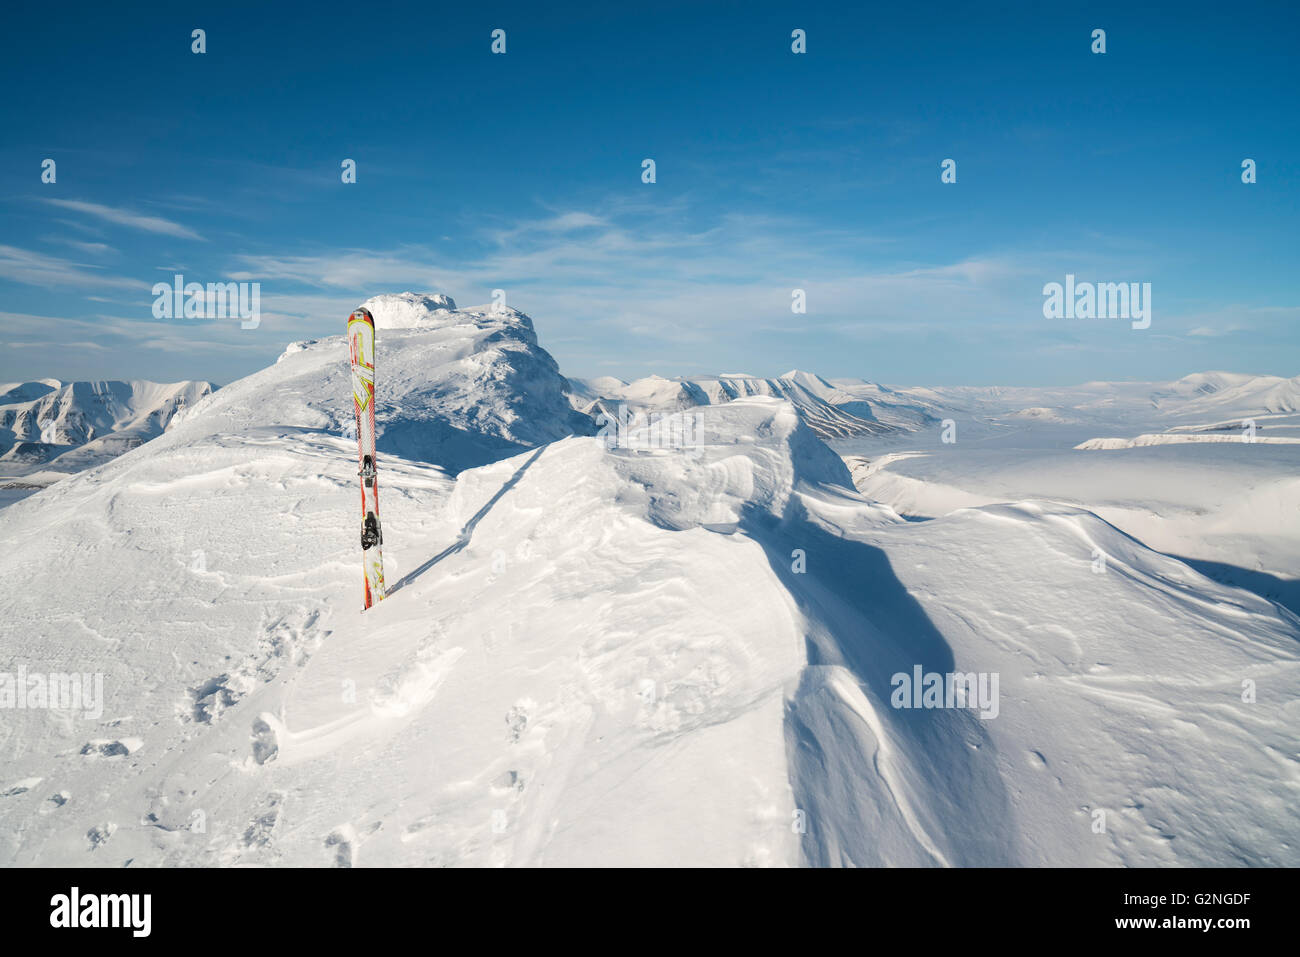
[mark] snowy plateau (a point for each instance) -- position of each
(646, 654)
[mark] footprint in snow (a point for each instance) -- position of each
(99, 834)
(508, 781)
(106, 748)
(21, 787)
(265, 745)
(342, 842)
(261, 830)
(516, 722)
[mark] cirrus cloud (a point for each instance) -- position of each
(125, 217)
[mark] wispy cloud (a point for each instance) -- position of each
(361, 270)
(125, 217)
(95, 249)
(1259, 324)
(38, 269)
(79, 225)
(647, 273)
(114, 334)
(569, 222)
(638, 281)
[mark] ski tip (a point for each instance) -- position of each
(361, 314)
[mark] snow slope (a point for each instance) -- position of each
(1212, 393)
(1185, 481)
(595, 655)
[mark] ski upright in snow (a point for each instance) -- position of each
(361, 346)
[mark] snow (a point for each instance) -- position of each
(70, 426)
(595, 655)
(459, 388)
(828, 411)
(51, 429)
(409, 310)
(1213, 390)
(1167, 438)
(1196, 489)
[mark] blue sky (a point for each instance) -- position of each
(775, 171)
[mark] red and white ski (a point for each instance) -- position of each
(361, 345)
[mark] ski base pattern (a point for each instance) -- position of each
(361, 346)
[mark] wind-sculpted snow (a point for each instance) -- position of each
(596, 655)
(601, 653)
(1199, 467)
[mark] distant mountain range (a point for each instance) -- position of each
(831, 411)
(50, 428)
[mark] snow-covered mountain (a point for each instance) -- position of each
(603, 655)
(1208, 393)
(460, 387)
(1181, 405)
(56, 428)
(829, 411)
(856, 408)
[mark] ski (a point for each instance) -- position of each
(361, 346)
